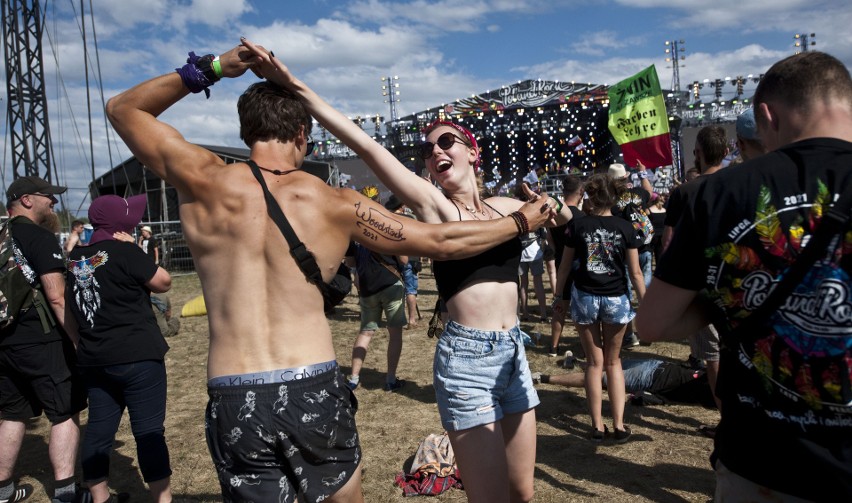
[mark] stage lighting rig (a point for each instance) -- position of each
(804, 41)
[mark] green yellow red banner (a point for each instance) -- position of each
(638, 120)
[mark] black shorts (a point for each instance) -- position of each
(270, 442)
(679, 383)
(40, 378)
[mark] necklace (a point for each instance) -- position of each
(472, 210)
(276, 172)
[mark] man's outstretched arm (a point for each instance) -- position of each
(669, 313)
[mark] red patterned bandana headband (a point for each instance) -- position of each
(467, 134)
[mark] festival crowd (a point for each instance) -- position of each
(749, 260)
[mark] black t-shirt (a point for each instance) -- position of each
(109, 299)
(636, 195)
(786, 387)
(601, 243)
(38, 252)
(640, 198)
(679, 199)
(149, 245)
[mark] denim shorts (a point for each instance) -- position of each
(480, 376)
(409, 277)
(588, 308)
(391, 301)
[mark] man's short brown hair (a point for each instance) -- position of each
(713, 143)
(269, 112)
(798, 79)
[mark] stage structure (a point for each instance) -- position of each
(549, 127)
(528, 125)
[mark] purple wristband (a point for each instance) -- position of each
(193, 78)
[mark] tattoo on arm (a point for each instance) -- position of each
(374, 224)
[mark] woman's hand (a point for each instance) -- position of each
(122, 236)
(539, 208)
(266, 65)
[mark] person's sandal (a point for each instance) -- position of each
(622, 436)
(597, 435)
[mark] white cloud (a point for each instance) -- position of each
(336, 43)
(597, 44)
(730, 14)
(435, 18)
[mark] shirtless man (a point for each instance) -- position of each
(258, 300)
(73, 236)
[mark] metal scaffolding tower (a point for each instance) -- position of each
(674, 48)
(27, 102)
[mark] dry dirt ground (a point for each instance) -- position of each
(667, 460)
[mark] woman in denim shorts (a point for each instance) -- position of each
(600, 304)
(482, 380)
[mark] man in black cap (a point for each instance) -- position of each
(36, 357)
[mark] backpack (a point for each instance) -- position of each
(641, 223)
(17, 294)
(337, 289)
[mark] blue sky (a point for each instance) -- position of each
(441, 51)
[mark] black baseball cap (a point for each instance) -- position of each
(31, 185)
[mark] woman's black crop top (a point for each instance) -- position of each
(496, 264)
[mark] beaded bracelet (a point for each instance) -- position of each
(517, 221)
(525, 222)
(521, 220)
(520, 223)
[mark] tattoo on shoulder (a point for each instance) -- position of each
(375, 224)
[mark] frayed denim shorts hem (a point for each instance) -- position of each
(588, 308)
(480, 376)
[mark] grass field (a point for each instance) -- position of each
(667, 459)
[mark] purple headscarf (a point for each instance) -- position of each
(110, 214)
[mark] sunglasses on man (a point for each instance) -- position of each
(445, 141)
(49, 196)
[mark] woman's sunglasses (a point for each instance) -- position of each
(310, 146)
(445, 141)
